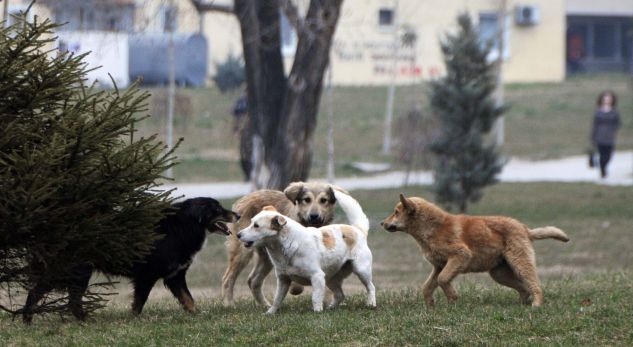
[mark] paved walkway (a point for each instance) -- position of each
(570, 169)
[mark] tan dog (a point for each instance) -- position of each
(311, 204)
(317, 257)
(456, 244)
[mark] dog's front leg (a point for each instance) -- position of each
(454, 266)
(429, 287)
(318, 290)
(262, 268)
(283, 284)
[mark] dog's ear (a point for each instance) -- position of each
(269, 208)
(277, 223)
(335, 187)
(294, 191)
(330, 193)
(406, 203)
(331, 190)
(194, 209)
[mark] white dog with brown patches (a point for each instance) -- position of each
(315, 256)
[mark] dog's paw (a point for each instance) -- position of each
(270, 311)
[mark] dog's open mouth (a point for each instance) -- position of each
(391, 228)
(221, 227)
(248, 244)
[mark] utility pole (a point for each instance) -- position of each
(171, 92)
(330, 126)
(5, 13)
(386, 143)
(501, 31)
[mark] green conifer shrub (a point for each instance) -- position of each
(76, 185)
(467, 158)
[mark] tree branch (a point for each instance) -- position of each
(203, 6)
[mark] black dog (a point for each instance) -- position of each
(184, 235)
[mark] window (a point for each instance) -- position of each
(385, 17)
(169, 16)
(488, 27)
(604, 40)
(288, 36)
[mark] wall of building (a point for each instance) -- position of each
(224, 35)
(621, 8)
(363, 50)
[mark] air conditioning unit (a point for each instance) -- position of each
(526, 15)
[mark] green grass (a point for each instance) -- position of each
(594, 265)
(546, 120)
(483, 316)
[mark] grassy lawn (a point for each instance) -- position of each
(587, 286)
(483, 316)
(545, 121)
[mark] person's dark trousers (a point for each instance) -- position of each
(605, 152)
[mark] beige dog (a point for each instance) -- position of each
(311, 204)
(456, 244)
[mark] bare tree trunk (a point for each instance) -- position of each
(284, 111)
(259, 23)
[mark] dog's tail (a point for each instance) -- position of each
(548, 233)
(352, 210)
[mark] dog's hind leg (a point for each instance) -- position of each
(262, 268)
(504, 275)
(429, 286)
(142, 287)
(335, 284)
(35, 295)
(520, 256)
(362, 269)
(238, 259)
(77, 290)
(178, 287)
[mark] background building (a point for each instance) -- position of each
(544, 39)
(366, 37)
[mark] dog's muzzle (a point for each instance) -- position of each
(314, 220)
(221, 227)
(247, 244)
(389, 227)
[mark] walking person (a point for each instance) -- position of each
(606, 121)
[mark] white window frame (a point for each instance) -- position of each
(494, 53)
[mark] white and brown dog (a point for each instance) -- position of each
(309, 203)
(319, 257)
